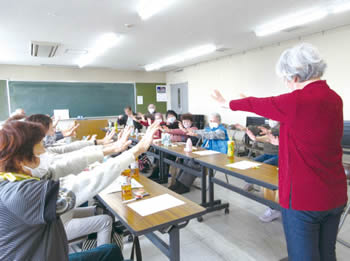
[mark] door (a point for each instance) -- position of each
(179, 97)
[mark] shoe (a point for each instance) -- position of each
(248, 187)
(270, 215)
(182, 189)
(175, 186)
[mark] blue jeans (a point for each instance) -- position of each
(109, 252)
(311, 235)
(268, 159)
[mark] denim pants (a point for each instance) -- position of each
(311, 235)
(109, 252)
(268, 159)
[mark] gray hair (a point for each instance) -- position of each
(216, 115)
(302, 61)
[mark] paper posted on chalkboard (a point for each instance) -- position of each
(61, 114)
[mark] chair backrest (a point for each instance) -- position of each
(346, 137)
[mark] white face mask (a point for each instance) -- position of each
(187, 125)
(171, 119)
(213, 125)
(151, 111)
(273, 123)
(43, 168)
(158, 120)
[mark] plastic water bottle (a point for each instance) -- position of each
(188, 147)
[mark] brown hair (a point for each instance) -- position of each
(16, 117)
(17, 140)
(42, 119)
(187, 116)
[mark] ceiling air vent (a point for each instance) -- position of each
(43, 49)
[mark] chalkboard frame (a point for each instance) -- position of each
(88, 84)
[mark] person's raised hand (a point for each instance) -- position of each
(120, 145)
(146, 140)
(274, 140)
(71, 131)
(251, 135)
(217, 96)
(107, 139)
(263, 130)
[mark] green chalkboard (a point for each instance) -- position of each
(148, 91)
(85, 99)
(4, 111)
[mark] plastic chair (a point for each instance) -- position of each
(74, 244)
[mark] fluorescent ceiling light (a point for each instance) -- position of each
(148, 8)
(103, 43)
(190, 54)
(340, 7)
(290, 21)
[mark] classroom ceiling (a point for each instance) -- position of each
(76, 24)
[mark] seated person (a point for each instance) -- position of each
(270, 139)
(215, 138)
(171, 120)
(35, 209)
(185, 126)
(171, 123)
(129, 119)
(148, 118)
(158, 117)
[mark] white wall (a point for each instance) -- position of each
(253, 74)
(41, 73)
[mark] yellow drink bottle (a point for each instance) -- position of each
(116, 126)
(126, 189)
(230, 148)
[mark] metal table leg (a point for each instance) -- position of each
(204, 185)
(174, 244)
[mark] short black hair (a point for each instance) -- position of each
(128, 107)
(43, 119)
(171, 112)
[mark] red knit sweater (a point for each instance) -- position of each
(311, 173)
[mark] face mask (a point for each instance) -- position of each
(151, 111)
(187, 125)
(43, 168)
(213, 125)
(38, 172)
(171, 119)
(273, 123)
(158, 120)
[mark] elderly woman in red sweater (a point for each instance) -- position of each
(312, 182)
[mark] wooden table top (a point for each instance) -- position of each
(265, 173)
(140, 225)
(179, 149)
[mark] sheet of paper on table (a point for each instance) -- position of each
(244, 164)
(153, 205)
(206, 152)
(116, 185)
